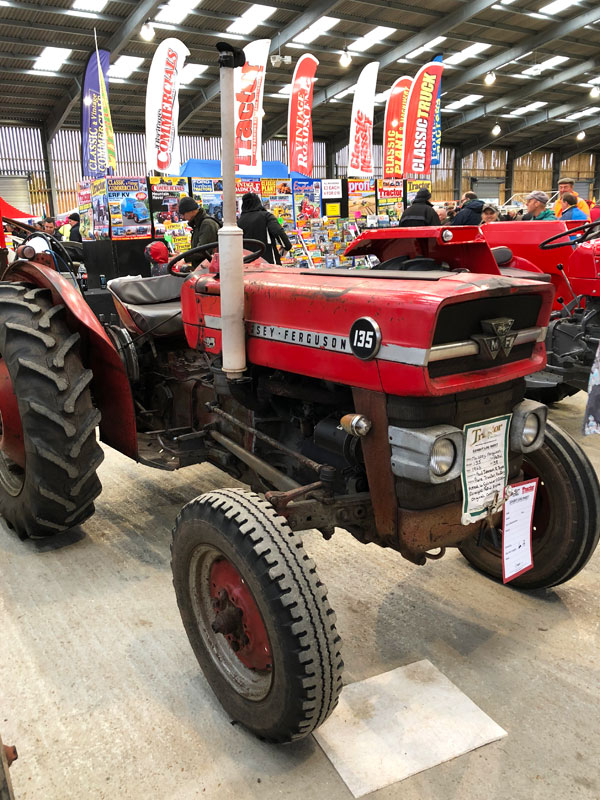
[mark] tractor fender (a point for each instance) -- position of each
(110, 385)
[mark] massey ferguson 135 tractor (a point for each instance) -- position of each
(368, 400)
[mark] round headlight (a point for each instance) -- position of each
(443, 456)
(531, 430)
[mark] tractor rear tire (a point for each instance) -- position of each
(55, 487)
(277, 669)
(566, 520)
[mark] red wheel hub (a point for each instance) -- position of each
(11, 430)
(237, 616)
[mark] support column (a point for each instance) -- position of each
(457, 174)
(509, 177)
(555, 169)
(49, 170)
(596, 187)
(330, 165)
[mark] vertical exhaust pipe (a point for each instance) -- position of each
(231, 265)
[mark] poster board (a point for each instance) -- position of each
(412, 187)
(165, 194)
(129, 208)
(362, 199)
(84, 204)
(307, 201)
(100, 209)
(208, 192)
(277, 198)
(389, 199)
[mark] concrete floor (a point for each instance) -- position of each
(104, 699)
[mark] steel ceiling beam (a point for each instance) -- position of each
(438, 28)
(529, 89)
(581, 147)
(550, 33)
(312, 14)
(116, 43)
(545, 140)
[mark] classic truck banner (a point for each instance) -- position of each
(249, 84)
(360, 149)
(393, 128)
(300, 133)
(129, 208)
(109, 134)
(162, 106)
(420, 119)
(93, 145)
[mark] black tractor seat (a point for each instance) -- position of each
(504, 255)
(154, 304)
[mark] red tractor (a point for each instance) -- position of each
(342, 398)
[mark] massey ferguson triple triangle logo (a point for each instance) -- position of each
(499, 339)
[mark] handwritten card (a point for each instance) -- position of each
(485, 466)
(517, 556)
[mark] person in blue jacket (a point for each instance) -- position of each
(470, 212)
(569, 208)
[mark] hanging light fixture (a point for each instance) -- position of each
(87, 100)
(147, 31)
(595, 92)
(580, 136)
(490, 78)
(345, 58)
(496, 130)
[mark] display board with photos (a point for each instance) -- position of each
(277, 198)
(84, 205)
(389, 201)
(362, 200)
(129, 208)
(100, 216)
(165, 194)
(307, 201)
(208, 192)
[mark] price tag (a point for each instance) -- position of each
(517, 556)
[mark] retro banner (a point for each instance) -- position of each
(249, 84)
(360, 149)
(100, 209)
(162, 106)
(93, 144)
(84, 206)
(165, 194)
(393, 128)
(420, 119)
(128, 208)
(300, 133)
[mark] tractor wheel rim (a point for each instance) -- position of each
(219, 593)
(12, 449)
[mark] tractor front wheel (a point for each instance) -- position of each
(48, 449)
(566, 516)
(256, 614)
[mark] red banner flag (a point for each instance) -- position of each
(420, 119)
(393, 128)
(249, 84)
(300, 135)
(360, 146)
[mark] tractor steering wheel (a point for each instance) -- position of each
(590, 231)
(215, 245)
(54, 244)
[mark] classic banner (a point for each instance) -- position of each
(249, 84)
(393, 128)
(420, 119)
(300, 134)
(93, 145)
(360, 149)
(109, 134)
(162, 107)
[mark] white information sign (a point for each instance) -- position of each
(331, 189)
(517, 556)
(485, 466)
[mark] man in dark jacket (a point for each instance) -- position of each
(470, 212)
(74, 233)
(204, 228)
(421, 212)
(258, 223)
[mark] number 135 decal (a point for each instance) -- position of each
(365, 338)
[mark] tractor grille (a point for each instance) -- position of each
(459, 322)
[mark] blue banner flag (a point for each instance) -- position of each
(436, 139)
(93, 141)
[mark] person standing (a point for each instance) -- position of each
(536, 203)
(258, 223)
(205, 229)
(470, 212)
(568, 185)
(49, 227)
(489, 213)
(421, 212)
(570, 209)
(74, 233)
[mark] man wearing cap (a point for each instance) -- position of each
(74, 233)
(568, 185)
(536, 203)
(489, 213)
(204, 228)
(421, 212)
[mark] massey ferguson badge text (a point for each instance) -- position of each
(426, 106)
(165, 130)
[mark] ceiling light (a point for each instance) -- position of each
(318, 28)
(251, 19)
(580, 136)
(124, 66)
(469, 52)
(536, 69)
(522, 110)
(147, 31)
(466, 101)
(490, 78)
(89, 5)
(190, 72)
(373, 37)
(557, 6)
(595, 92)
(345, 58)
(175, 11)
(52, 59)
(429, 46)
(87, 100)
(496, 130)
